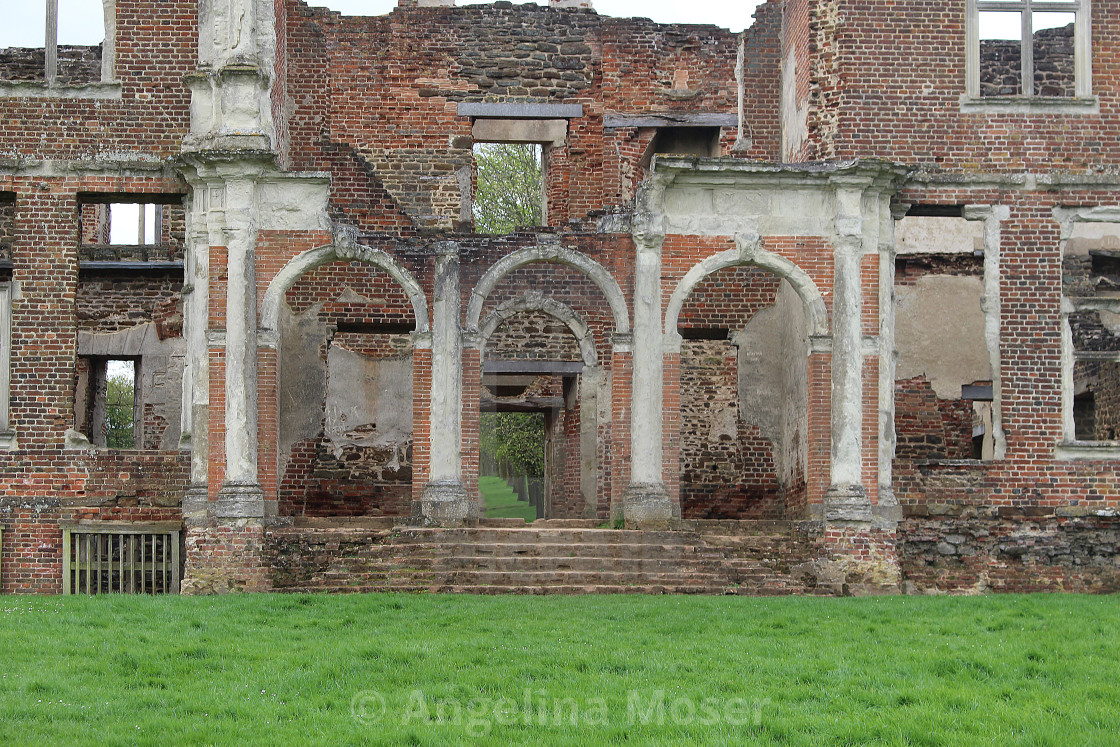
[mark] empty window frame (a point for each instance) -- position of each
(108, 403)
(1029, 48)
(702, 142)
(525, 147)
(132, 231)
(1091, 332)
(1094, 392)
(58, 42)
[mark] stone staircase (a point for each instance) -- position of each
(504, 556)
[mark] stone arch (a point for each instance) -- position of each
(344, 252)
(555, 254)
(750, 252)
(536, 301)
(757, 391)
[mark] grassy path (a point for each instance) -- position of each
(420, 669)
(501, 502)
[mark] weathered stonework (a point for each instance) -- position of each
(808, 313)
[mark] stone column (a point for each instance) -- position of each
(196, 376)
(241, 495)
(647, 501)
(590, 385)
(847, 498)
(444, 500)
(887, 437)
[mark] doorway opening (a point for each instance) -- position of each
(512, 463)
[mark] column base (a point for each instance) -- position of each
(847, 504)
(243, 501)
(196, 504)
(648, 506)
(443, 504)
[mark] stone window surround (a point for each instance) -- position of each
(1083, 101)
(537, 124)
(7, 437)
(1070, 448)
(108, 88)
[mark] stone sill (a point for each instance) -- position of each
(35, 90)
(7, 441)
(1030, 105)
(950, 463)
(1081, 450)
(129, 265)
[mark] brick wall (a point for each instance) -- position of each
(726, 467)
(375, 101)
(902, 74)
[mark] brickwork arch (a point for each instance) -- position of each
(749, 252)
(536, 301)
(557, 254)
(341, 252)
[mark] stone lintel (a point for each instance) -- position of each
(555, 368)
(671, 119)
(551, 131)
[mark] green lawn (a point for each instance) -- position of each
(430, 669)
(501, 502)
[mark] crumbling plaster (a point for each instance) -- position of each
(939, 329)
(773, 353)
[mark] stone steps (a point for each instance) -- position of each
(551, 557)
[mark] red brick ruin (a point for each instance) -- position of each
(829, 306)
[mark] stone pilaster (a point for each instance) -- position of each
(847, 498)
(241, 495)
(647, 502)
(444, 501)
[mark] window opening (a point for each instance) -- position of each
(107, 405)
(58, 41)
(120, 404)
(702, 142)
(509, 187)
(134, 224)
(132, 232)
(1090, 298)
(6, 437)
(1030, 48)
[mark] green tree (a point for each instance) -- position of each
(120, 393)
(514, 441)
(508, 193)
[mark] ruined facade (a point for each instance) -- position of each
(828, 306)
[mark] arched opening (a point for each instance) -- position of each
(544, 351)
(345, 403)
(743, 432)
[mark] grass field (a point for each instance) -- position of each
(501, 502)
(427, 669)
